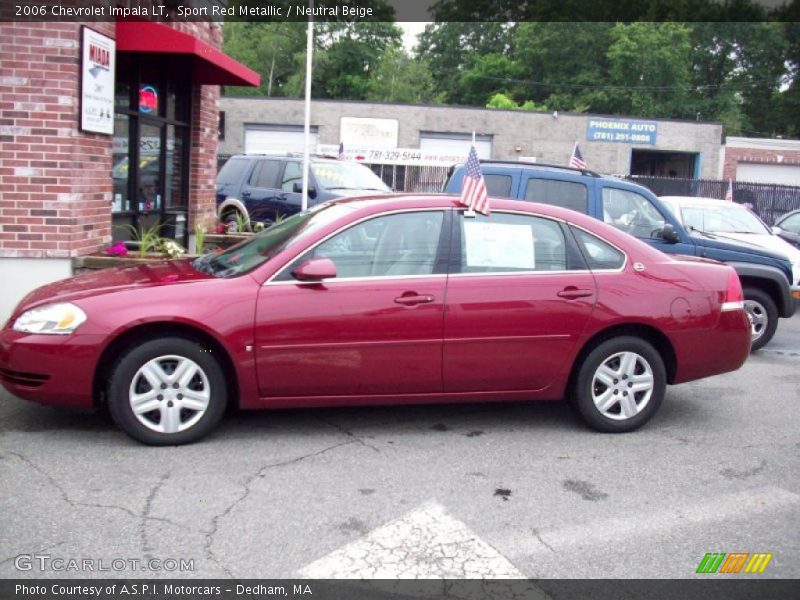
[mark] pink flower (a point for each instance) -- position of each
(117, 249)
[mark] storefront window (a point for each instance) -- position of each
(121, 169)
(175, 196)
(151, 144)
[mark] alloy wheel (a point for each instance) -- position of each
(757, 314)
(169, 394)
(622, 385)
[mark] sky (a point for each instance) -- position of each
(410, 32)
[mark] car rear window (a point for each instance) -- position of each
(566, 194)
(232, 171)
(498, 186)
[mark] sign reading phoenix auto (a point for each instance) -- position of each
(98, 59)
(622, 130)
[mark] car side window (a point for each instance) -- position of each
(265, 175)
(792, 224)
(395, 245)
(508, 242)
(291, 173)
(566, 194)
(632, 213)
(498, 186)
(598, 253)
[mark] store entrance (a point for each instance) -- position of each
(151, 148)
(656, 163)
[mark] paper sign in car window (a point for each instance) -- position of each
(499, 245)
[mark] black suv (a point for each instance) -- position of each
(267, 188)
(766, 277)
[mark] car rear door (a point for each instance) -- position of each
(518, 298)
(374, 329)
(260, 189)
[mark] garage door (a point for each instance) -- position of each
(456, 145)
(276, 140)
(772, 173)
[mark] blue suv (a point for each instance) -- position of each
(766, 277)
(257, 188)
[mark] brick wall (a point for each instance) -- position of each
(203, 167)
(55, 184)
(733, 156)
(55, 181)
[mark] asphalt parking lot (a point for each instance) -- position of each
(459, 491)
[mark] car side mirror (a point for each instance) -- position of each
(776, 230)
(297, 188)
(315, 269)
(668, 234)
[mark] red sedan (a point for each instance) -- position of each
(397, 299)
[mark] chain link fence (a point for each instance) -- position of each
(768, 201)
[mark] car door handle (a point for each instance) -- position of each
(245, 194)
(411, 299)
(571, 293)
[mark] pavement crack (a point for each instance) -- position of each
(52, 480)
(211, 534)
(145, 516)
(538, 536)
(348, 433)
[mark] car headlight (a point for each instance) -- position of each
(62, 318)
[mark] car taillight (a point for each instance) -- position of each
(734, 297)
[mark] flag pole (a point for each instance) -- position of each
(307, 121)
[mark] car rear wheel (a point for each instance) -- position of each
(763, 316)
(167, 391)
(620, 385)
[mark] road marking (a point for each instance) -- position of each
(726, 507)
(782, 353)
(426, 543)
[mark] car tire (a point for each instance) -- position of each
(763, 316)
(620, 385)
(231, 221)
(167, 391)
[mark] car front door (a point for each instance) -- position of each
(374, 329)
(518, 298)
(635, 214)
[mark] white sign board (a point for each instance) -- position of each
(499, 245)
(366, 132)
(394, 156)
(98, 57)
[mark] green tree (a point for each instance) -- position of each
(489, 74)
(268, 49)
(452, 48)
(563, 64)
(400, 78)
(649, 67)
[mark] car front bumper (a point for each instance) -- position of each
(50, 369)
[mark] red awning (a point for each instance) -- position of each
(210, 65)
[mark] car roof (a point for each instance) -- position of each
(522, 164)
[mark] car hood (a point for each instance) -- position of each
(767, 241)
(727, 241)
(170, 272)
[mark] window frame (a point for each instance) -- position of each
(283, 275)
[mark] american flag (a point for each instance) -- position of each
(576, 160)
(341, 151)
(473, 187)
(729, 193)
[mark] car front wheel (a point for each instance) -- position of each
(167, 391)
(620, 385)
(763, 316)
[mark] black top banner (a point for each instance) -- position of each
(402, 10)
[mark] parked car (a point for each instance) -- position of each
(788, 227)
(723, 220)
(771, 288)
(256, 188)
(392, 300)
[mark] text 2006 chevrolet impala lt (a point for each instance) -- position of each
(385, 300)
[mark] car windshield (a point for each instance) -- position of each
(728, 218)
(249, 254)
(347, 176)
